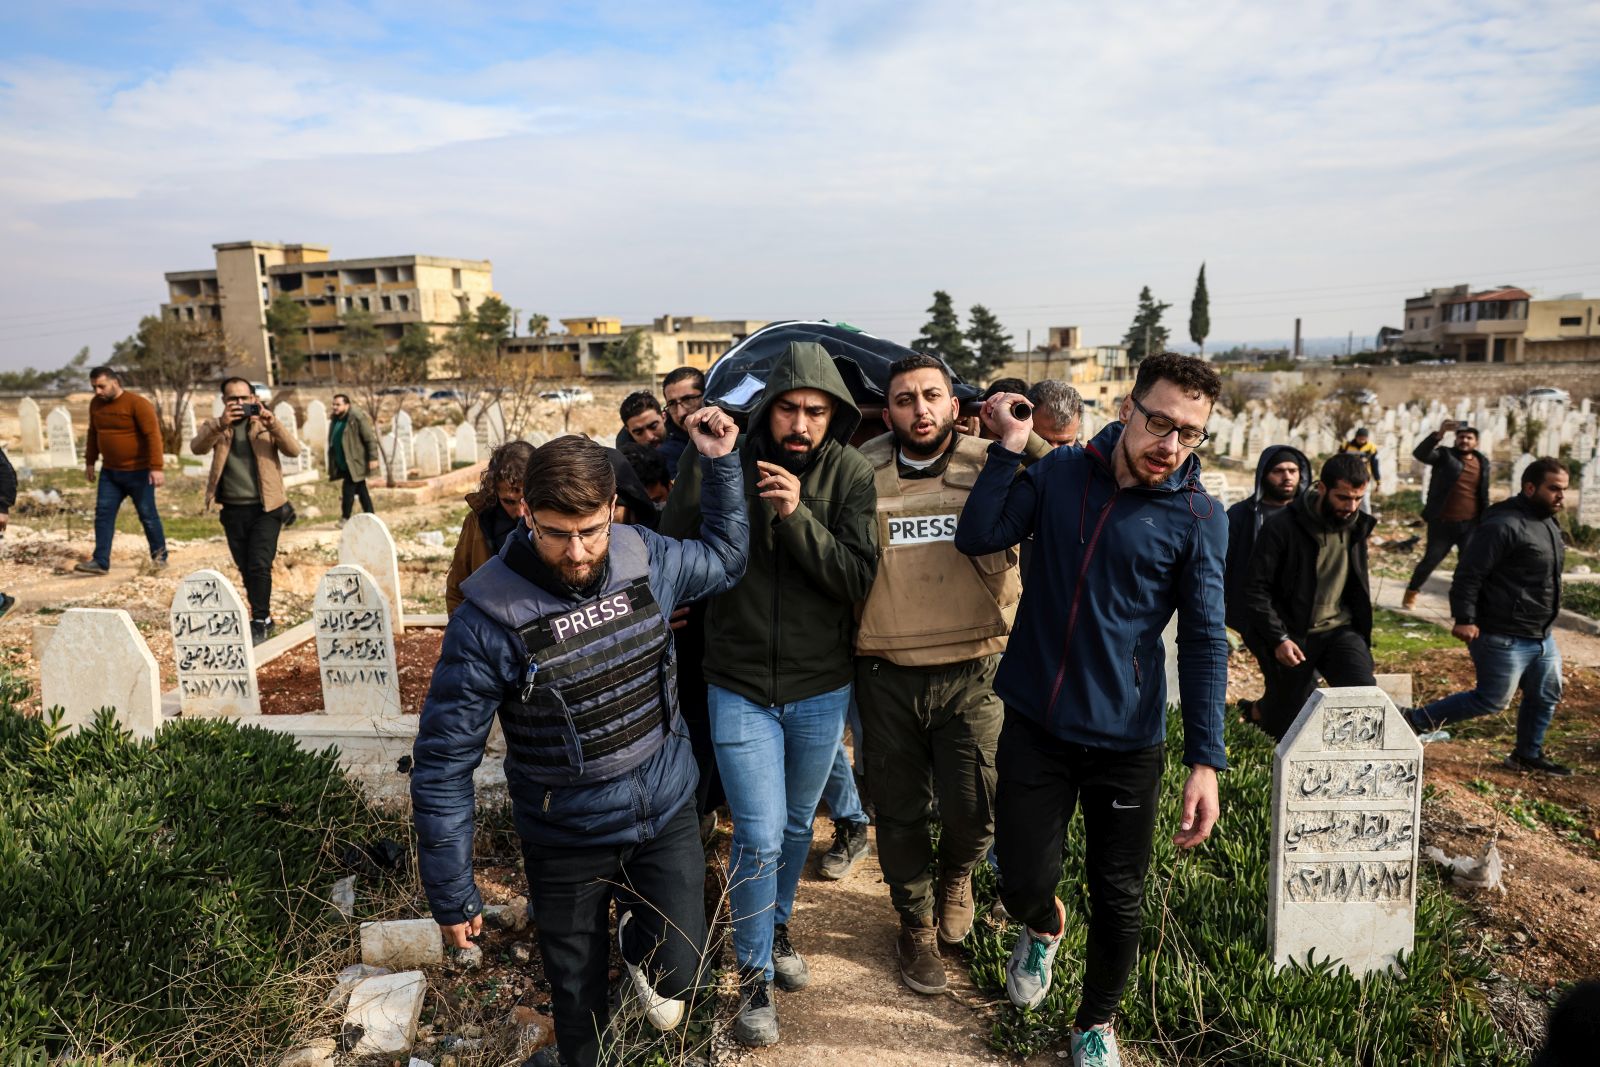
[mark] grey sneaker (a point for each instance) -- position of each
(1095, 1047)
(89, 566)
(789, 970)
(1028, 970)
(849, 848)
(664, 1013)
(756, 1025)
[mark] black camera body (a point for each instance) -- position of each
(250, 410)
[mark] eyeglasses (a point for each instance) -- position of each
(1160, 426)
(685, 402)
(589, 538)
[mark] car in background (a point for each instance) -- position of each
(402, 390)
(1365, 397)
(568, 395)
(448, 394)
(1547, 392)
(263, 391)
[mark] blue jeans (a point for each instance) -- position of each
(844, 803)
(1506, 664)
(114, 487)
(774, 762)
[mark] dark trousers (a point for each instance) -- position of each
(929, 733)
(253, 541)
(113, 488)
(1442, 537)
(1341, 656)
(662, 881)
(349, 491)
(1042, 779)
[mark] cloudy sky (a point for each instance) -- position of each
(831, 159)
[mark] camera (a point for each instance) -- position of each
(250, 410)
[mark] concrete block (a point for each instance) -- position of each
(401, 943)
(319, 1053)
(384, 1011)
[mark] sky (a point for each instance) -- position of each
(834, 159)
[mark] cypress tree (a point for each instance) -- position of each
(1200, 312)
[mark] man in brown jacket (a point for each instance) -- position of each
(125, 435)
(247, 480)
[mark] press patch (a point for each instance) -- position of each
(922, 529)
(595, 613)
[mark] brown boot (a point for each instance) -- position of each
(921, 968)
(955, 907)
(1409, 601)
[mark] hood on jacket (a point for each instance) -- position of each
(807, 365)
(1273, 455)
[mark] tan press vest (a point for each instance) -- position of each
(930, 605)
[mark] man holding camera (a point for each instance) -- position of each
(247, 480)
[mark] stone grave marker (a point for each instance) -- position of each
(284, 413)
(32, 443)
(96, 659)
(385, 450)
(1389, 462)
(217, 406)
(1346, 818)
(1517, 468)
(429, 462)
(188, 429)
(366, 543)
(405, 444)
(355, 645)
(63, 446)
(1216, 486)
(314, 434)
(1236, 440)
(466, 443)
(211, 646)
(1589, 496)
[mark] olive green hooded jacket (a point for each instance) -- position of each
(786, 631)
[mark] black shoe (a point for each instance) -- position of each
(849, 846)
(789, 970)
(261, 630)
(7, 602)
(1537, 764)
(757, 1022)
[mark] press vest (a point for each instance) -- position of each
(600, 687)
(931, 605)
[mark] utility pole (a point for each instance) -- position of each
(1027, 359)
(1296, 338)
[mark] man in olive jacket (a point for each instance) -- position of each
(779, 655)
(352, 453)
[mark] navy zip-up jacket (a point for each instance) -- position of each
(1110, 565)
(483, 661)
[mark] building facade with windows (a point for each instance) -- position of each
(1501, 325)
(671, 341)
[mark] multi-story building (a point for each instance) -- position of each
(1501, 325)
(1100, 373)
(397, 290)
(671, 341)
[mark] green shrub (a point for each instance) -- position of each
(1205, 989)
(154, 895)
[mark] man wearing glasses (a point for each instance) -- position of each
(683, 389)
(564, 634)
(1123, 536)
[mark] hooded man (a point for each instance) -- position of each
(1282, 474)
(779, 650)
(1307, 605)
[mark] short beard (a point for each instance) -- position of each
(1143, 476)
(1335, 521)
(936, 446)
(596, 573)
(1282, 496)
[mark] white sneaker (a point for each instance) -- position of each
(663, 1012)
(1028, 971)
(1095, 1047)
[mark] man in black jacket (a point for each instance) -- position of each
(1458, 495)
(1505, 598)
(8, 497)
(1283, 473)
(1307, 605)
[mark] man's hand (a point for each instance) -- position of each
(1446, 426)
(158, 479)
(1464, 631)
(1200, 807)
(5, 520)
(264, 417)
(456, 934)
(1288, 653)
(88, 473)
(713, 432)
(231, 413)
(372, 465)
(779, 487)
(996, 415)
(677, 620)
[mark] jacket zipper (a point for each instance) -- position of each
(1077, 594)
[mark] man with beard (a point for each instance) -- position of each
(564, 634)
(1124, 535)
(1282, 473)
(1505, 598)
(682, 392)
(1458, 494)
(778, 652)
(930, 639)
(1307, 604)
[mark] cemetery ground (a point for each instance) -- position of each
(1487, 964)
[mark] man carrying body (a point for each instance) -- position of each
(1505, 598)
(1057, 412)
(565, 635)
(929, 642)
(125, 434)
(1458, 495)
(778, 652)
(1307, 605)
(1125, 535)
(642, 422)
(352, 454)
(683, 390)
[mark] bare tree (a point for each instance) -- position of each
(509, 379)
(1343, 411)
(1296, 406)
(365, 363)
(1236, 394)
(173, 359)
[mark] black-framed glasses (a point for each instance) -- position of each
(1160, 426)
(590, 538)
(691, 402)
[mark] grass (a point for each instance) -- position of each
(1582, 597)
(1394, 634)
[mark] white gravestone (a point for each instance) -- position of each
(429, 462)
(1216, 486)
(283, 413)
(405, 444)
(314, 434)
(96, 659)
(188, 429)
(355, 645)
(466, 444)
(366, 543)
(1347, 809)
(1517, 468)
(32, 443)
(63, 446)
(211, 646)
(217, 406)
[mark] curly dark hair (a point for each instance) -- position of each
(508, 463)
(1192, 374)
(635, 403)
(918, 361)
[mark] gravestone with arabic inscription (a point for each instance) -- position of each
(211, 646)
(63, 446)
(1347, 810)
(355, 645)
